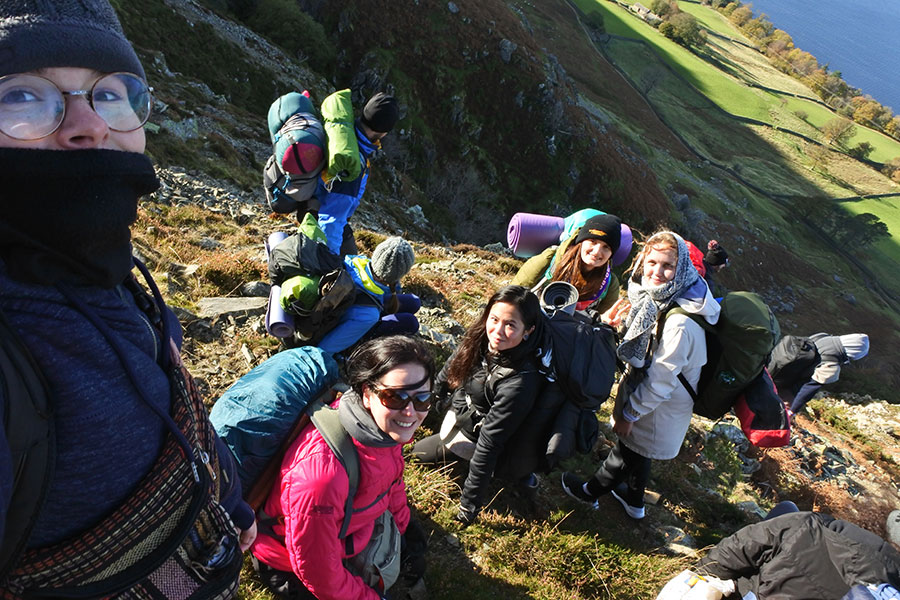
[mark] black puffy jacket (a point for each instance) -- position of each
(802, 556)
(503, 390)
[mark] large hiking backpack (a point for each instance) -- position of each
(343, 151)
(737, 349)
(580, 356)
(263, 413)
(793, 360)
(255, 415)
(298, 140)
(316, 289)
(764, 417)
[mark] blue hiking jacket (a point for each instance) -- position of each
(342, 200)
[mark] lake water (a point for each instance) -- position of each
(859, 38)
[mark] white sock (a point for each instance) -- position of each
(585, 488)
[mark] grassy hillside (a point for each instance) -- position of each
(716, 74)
(628, 135)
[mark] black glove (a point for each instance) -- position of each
(441, 397)
(466, 515)
(551, 461)
(412, 551)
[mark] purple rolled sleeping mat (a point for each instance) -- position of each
(625, 244)
(278, 322)
(529, 234)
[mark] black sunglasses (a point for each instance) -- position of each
(398, 399)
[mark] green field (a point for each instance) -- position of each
(724, 90)
(712, 20)
(888, 210)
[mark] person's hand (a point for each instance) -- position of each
(622, 427)
(247, 536)
(466, 516)
(412, 551)
(618, 313)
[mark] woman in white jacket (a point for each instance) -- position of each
(652, 420)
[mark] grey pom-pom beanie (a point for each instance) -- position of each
(36, 34)
(392, 259)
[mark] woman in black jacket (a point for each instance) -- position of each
(495, 384)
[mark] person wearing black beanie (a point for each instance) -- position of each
(381, 113)
(340, 199)
(113, 482)
(584, 260)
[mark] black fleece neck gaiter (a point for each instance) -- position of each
(65, 214)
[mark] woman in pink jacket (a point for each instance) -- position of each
(390, 382)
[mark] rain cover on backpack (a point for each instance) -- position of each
(298, 140)
(255, 414)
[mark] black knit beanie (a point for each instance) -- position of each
(606, 228)
(381, 113)
(715, 254)
(36, 34)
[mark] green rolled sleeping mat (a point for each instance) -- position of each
(343, 152)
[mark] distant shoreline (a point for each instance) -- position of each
(851, 42)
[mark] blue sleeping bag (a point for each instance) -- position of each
(254, 415)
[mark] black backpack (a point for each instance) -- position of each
(29, 428)
(304, 254)
(793, 360)
(580, 356)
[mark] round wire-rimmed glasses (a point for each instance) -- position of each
(33, 107)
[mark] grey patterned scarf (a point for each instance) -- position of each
(646, 303)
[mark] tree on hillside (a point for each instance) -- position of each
(818, 156)
(684, 29)
(861, 151)
(741, 14)
(892, 169)
(758, 28)
(662, 8)
(892, 127)
(863, 230)
(869, 112)
(838, 131)
(595, 21)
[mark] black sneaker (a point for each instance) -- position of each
(620, 492)
(574, 487)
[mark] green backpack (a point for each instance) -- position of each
(737, 350)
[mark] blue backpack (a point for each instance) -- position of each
(257, 416)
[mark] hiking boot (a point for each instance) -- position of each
(574, 487)
(619, 493)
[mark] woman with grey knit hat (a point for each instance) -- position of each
(833, 352)
(112, 482)
(380, 309)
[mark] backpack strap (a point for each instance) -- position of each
(704, 324)
(29, 428)
(327, 421)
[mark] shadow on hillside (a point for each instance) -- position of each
(452, 574)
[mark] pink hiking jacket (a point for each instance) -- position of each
(309, 496)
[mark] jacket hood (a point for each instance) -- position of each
(698, 300)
